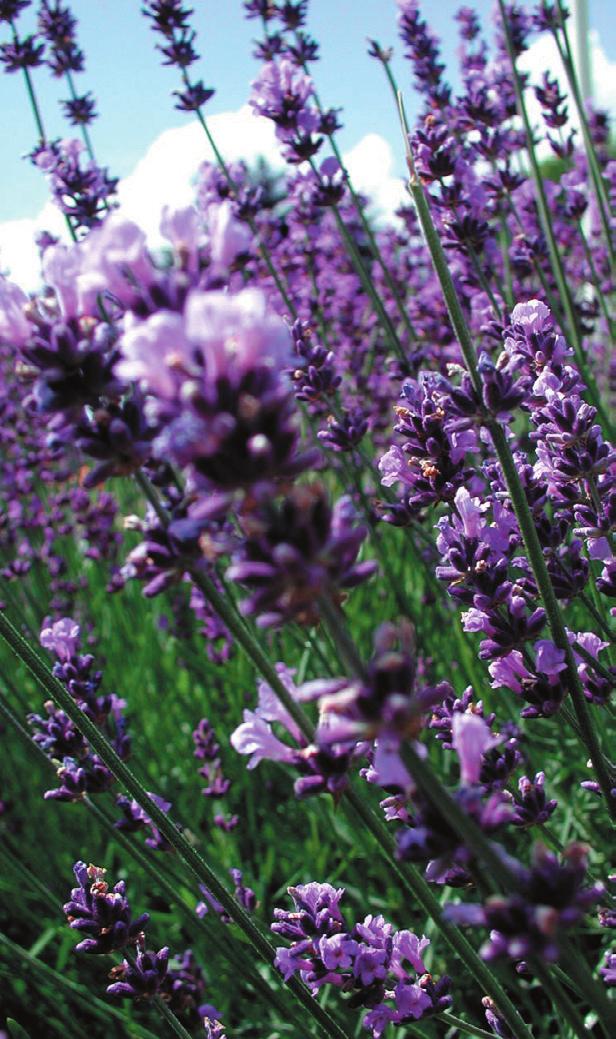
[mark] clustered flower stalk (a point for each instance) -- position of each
(516, 490)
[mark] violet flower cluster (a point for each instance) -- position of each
(103, 914)
(373, 964)
(79, 770)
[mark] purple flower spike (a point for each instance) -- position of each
(297, 552)
(134, 819)
(380, 968)
(471, 740)
(142, 979)
(608, 973)
(101, 913)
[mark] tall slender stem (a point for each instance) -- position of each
(31, 94)
(366, 225)
(174, 1023)
(603, 204)
(38, 119)
(414, 884)
(232, 950)
(55, 980)
(546, 222)
(263, 249)
(189, 855)
(471, 835)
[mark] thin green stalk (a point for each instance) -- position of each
(546, 221)
(263, 249)
(603, 204)
(350, 657)
(419, 890)
(234, 623)
(36, 112)
(24, 872)
(187, 853)
(466, 828)
(391, 285)
(63, 984)
(174, 1023)
(503, 238)
(38, 119)
(600, 296)
(554, 616)
(339, 632)
(233, 951)
(365, 279)
(453, 1021)
(558, 997)
(516, 490)
(412, 882)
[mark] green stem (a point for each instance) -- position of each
(559, 998)
(544, 213)
(228, 614)
(36, 112)
(175, 1025)
(566, 56)
(189, 855)
(419, 890)
(232, 950)
(38, 119)
(555, 620)
(391, 285)
(452, 1021)
(60, 982)
(263, 249)
(339, 632)
(366, 280)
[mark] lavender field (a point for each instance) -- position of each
(307, 573)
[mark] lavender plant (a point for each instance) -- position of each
(335, 495)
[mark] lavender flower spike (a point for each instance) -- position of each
(101, 913)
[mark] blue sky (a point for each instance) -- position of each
(133, 90)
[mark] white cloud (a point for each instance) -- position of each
(165, 174)
(162, 177)
(18, 252)
(371, 164)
